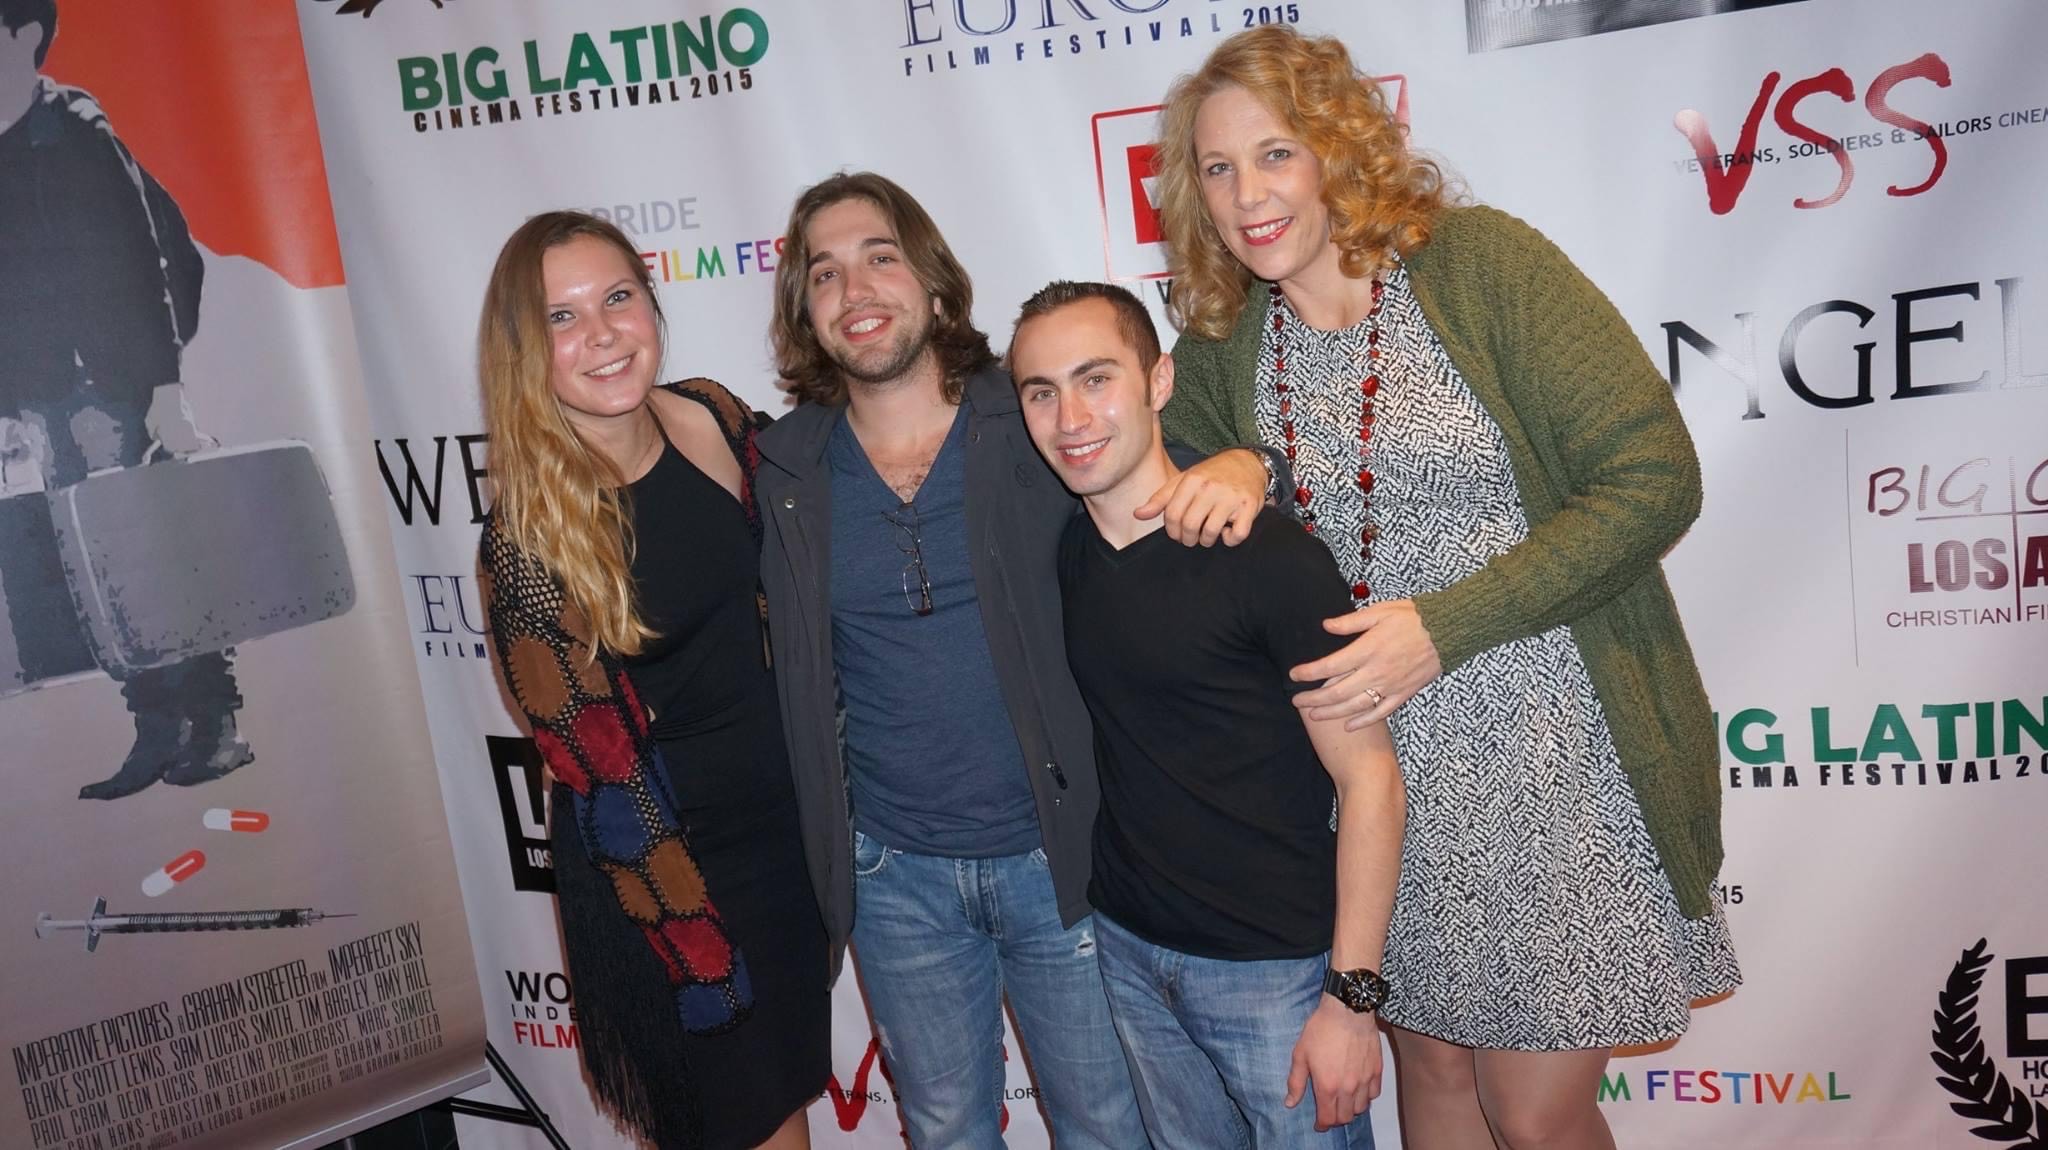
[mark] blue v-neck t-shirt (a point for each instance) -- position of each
(932, 758)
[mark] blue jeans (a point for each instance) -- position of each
(1211, 1042)
(937, 942)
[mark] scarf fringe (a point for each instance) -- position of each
(631, 1036)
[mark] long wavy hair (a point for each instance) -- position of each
(1382, 197)
(800, 357)
(559, 500)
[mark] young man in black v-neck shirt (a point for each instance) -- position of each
(1245, 856)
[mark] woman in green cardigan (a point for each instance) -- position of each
(1483, 445)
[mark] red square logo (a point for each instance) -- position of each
(1133, 242)
(1144, 202)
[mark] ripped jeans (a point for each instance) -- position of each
(937, 942)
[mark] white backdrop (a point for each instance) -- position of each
(1850, 602)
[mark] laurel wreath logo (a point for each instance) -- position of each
(1967, 1072)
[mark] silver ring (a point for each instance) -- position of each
(1375, 696)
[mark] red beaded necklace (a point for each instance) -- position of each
(1369, 389)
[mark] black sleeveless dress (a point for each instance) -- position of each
(717, 719)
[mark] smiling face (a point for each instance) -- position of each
(871, 314)
(1264, 190)
(1090, 408)
(606, 334)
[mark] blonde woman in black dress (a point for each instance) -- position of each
(621, 565)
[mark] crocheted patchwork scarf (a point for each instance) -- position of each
(592, 732)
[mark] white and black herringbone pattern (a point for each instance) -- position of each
(1532, 912)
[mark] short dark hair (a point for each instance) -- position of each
(800, 357)
(18, 14)
(1133, 322)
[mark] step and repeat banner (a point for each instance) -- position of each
(231, 914)
(1820, 216)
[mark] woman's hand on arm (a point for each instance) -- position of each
(1391, 658)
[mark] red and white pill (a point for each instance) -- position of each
(173, 872)
(248, 822)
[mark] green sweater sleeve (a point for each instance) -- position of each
(1618, 478)
(1198, 413)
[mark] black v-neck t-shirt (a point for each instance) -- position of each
(1216, 835)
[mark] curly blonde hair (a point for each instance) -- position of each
(559, 500)
(1382, 196)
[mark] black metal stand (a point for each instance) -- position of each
(527, 1113)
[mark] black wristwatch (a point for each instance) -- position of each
(1361, 990)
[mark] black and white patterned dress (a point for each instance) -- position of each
(1532, 912)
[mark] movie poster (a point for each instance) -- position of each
(231, 915)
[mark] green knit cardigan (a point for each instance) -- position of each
(1607, 474)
